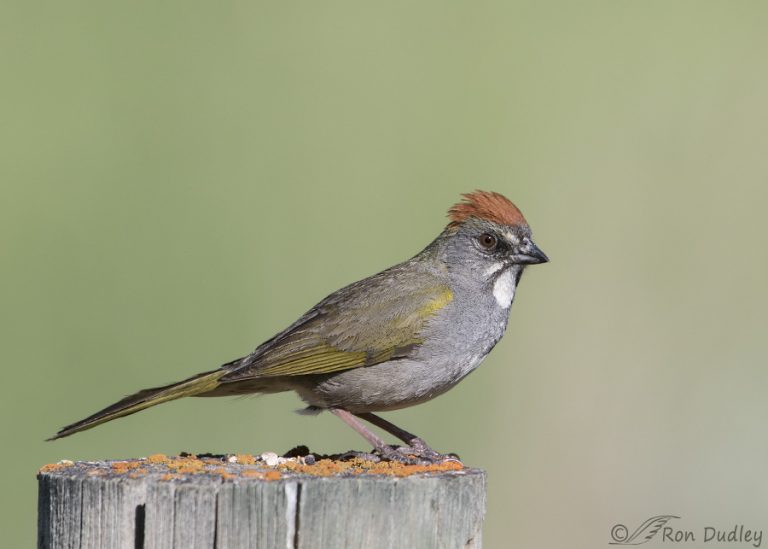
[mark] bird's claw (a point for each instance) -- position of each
(367, 456)
(396, 453)
(426, 455)
(416, 453)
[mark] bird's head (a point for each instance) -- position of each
(488, 238)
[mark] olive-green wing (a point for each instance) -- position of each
(369, 322)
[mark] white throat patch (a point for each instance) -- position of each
(504, 289)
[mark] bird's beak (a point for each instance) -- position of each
(530, 254)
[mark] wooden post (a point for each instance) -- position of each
(250, 502)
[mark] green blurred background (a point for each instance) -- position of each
(180, 180)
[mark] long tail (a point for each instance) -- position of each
(201, 383)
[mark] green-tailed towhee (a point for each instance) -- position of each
(395, 339)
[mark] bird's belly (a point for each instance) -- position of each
(386, 386)
(437, 366)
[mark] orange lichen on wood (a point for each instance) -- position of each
(125, 466)
(252, 473)
(186, 467)
(223, 473)
(180, 464)
(53, 467)
(323, 467)
(273, 475)
(403, 470)
(329, 467)
(249, 466)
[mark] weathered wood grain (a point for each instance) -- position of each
(89, 505)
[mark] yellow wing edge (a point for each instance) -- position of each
(327, 359)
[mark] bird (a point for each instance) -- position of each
(396, 339)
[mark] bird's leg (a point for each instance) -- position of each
(409, 438)
(415, 444)
(384, 449)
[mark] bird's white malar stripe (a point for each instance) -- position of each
(504, 289)
(495, 268)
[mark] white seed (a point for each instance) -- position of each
(270, 458)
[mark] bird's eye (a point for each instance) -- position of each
(487, 241)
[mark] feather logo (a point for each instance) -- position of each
(644, 533)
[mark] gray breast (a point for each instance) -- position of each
(455, 343)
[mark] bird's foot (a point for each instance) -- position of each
(417, 453)
(367, 456)
(421, 450)
(400, 454)
(387, 453)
